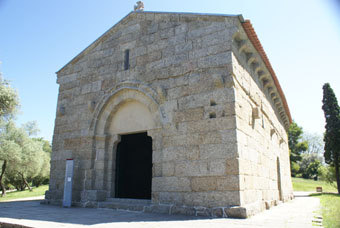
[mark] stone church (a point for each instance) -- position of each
(177, 113)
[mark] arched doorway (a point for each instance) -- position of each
(134, 167)
(125, 123)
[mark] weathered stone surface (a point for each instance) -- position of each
(162, 209)
(203, 211)
(217, 213)
(228, 183)
(236, 212)
(175, 210)
(191, 87)
(201, 184)
(172, 184)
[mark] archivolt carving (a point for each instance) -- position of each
(126, 92)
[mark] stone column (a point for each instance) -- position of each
(101, 172)
(157, 157)
(110, 165)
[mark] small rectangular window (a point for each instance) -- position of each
(126, 59)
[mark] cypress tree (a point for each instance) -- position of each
(332, 135)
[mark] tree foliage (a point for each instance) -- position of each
(309, 165)
(332, 135)
(327, 173)
(8, 99)
(8, 104)
(31, 128)
(25, 157)
(22, 158)
(296, 146)
(42, 176)
(315, 143)
(10, 149)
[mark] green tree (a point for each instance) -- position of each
(44, 172)
(332, 135)
(30, 162)
(315, 143)
(10, 149)
(8, 103)
(296, 146)
(295, 168)
(24, 157)
(327, 173)
(309, 165)
(31, 128)
(9, 100)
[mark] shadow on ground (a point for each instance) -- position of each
(33, 210)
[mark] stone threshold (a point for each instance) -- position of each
(147, 206)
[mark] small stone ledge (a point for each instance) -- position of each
(245, 211)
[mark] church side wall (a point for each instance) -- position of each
(262, 143)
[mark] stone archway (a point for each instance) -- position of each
(126, 110)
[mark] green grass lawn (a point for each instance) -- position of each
(330, 203)
(24, 194)
(330, 209)
(308, 185)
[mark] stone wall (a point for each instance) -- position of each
(186, 77)
(262, 141)
(186, 60)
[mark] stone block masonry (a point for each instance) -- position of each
(200, 89)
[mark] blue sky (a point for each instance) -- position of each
(38, 37)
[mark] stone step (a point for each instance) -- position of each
(125, 204)
(127, 200)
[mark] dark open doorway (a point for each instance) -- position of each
(279, 185)
(134, 167)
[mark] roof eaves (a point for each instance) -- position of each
(250, 31)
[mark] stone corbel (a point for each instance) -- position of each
(272, 132)
(281, 141)
(262, 75)
(250, 58)
(243, 45)
(257, 68)
(256, 113)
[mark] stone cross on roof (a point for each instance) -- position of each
(139, 6)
